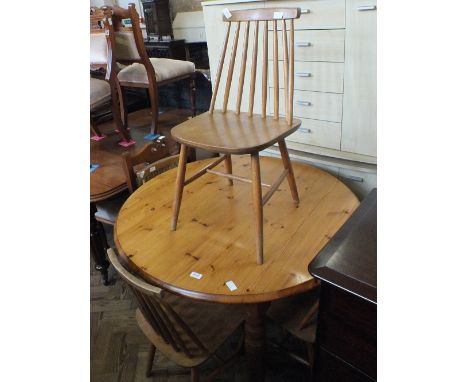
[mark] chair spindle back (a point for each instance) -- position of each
(273, 17)
(163, 319)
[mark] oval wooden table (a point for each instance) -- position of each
(215, 237)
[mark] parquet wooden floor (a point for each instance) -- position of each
(119, 349)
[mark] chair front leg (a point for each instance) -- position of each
(179, 186)
(257, 205)
(123, 106)
(287, 166)
(193, 94)
(149, 365)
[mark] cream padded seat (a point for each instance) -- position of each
(164, 68)
(99, 92)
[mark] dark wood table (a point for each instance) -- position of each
(109, 180)
(214, 238)
(346, 346)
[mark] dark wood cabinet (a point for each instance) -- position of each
(174, 49)
(346, 346)
(157, 18)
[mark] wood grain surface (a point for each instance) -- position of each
(214, 234)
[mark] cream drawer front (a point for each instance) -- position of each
(315, 14)
(326, 45)
(360, 182)
(313, 76)
(318, 133)
(313, 105)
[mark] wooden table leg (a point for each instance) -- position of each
(255, 344)
(99, 246)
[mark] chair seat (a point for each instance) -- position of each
(290, 312)
(232, 133)
(164, 68)
(108, 210)
(211, 323)
(99, 92)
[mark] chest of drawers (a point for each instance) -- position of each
(335, 77)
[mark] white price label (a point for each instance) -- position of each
(196, 275)
(227, 13)
(230, 284)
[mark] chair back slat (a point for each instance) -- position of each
(163, 319)
(253, 69)
(265, 71)
(242, 68)
(232, 62)
(273, 18)
(220, 68)
(291, 71)
(275, 71)
(285, 70)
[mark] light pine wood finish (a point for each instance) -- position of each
(186, 331)
(246, 133)
(215, 238)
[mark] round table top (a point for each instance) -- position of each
(215, 233)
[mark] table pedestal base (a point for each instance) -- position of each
(99, 245)
(255, 344)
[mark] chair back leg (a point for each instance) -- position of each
(179, 187)
(116, 113)
(153, 95)
(228, 160)
(257, 205)
(287, 166)
(123, 106)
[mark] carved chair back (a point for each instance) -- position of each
(98, 42)
(163, 319)
(148, 162)
(258, 19)
(126, 42)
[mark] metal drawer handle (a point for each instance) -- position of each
(304, 11)
(304, 130)
(353, 178)
(303, 44)
(363, 8)
(304, 103)
(303, 74)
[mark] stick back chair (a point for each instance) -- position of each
(139, 167)
(102, 91)
(236, 132)
(186, 331)
(128, 48)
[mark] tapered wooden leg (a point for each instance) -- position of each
(179, 187)
(257, 205)
(194, 374)
(228, 160)
(149, 365)
(193, 93)
(287, 165)
(123, 106)
(116, 93)
(153, 93)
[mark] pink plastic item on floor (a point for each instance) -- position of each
(97, 137)
(126, 144)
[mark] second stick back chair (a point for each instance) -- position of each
(236, 132)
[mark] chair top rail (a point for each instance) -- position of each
(262, 14)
